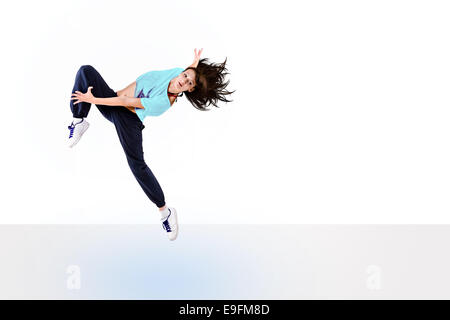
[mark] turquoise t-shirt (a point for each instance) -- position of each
(151, 87)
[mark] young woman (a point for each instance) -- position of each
(151, 94)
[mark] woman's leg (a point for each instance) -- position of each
(129, 129)
(86, 77)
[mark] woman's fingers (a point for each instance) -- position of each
(79, 92)
(76, 97)
(80, 97)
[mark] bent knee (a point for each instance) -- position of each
(86, 67)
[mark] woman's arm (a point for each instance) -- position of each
(196, 58)
(114, 101)
(121, 101)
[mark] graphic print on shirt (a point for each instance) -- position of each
(142, 95)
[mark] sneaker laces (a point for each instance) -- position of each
(166, 225)
(71, 128)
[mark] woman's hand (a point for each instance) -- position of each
(196, 57)
(83, 97)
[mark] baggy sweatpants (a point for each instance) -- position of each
(128, 126)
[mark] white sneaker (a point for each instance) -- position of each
(76, 131)
(170, 224)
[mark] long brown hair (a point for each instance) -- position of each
(210, 85)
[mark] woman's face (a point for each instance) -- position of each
(184, 82)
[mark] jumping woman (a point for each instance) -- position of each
(152, 94)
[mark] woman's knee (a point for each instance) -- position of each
(86, 68)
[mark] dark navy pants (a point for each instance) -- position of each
(128, 126)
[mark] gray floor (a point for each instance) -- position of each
(225, 262)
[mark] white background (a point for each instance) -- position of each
(340, 114)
